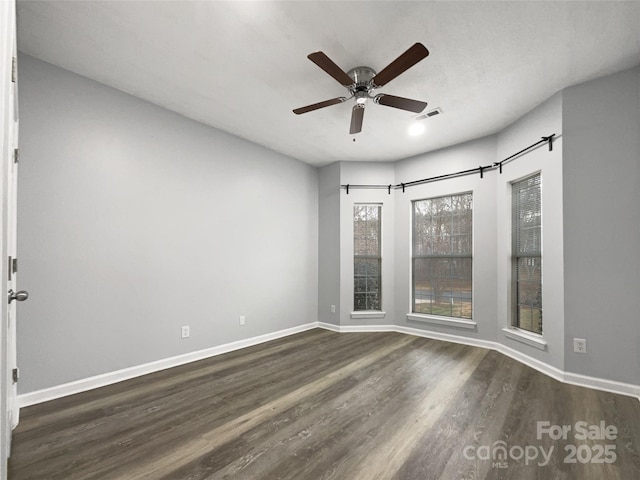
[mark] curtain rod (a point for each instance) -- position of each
(481, 170)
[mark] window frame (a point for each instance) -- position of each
(362, 312)
(515, 320)
(451, 320)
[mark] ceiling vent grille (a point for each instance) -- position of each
(431, 113)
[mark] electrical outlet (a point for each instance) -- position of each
(242, 319)
(185, 331)
(579, 345)
(333, 309)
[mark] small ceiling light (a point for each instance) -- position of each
(416, 129)
(361, 97)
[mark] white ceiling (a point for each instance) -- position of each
(241, 66)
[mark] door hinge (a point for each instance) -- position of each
(16, 155)
(14, 69)
(15, 375)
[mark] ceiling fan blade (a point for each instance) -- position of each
(316, 106)
(357, 114)
(326, 64)
(401, 64)
(415, 106)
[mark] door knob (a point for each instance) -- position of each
(20, 296)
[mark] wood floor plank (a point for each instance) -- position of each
(465, 417)
(325, 406)
(300, 434)
(124, 394)
(155, 424)
(349, 421)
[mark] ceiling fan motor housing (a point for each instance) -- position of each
(362, 83)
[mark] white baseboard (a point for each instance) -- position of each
(447, 337)
(602, 384)
(44, 395)
(478, 342)
(329, 326)
(357, 328)
(97, 381)
(551, 371)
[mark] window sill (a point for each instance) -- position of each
(449, 322)
(368, 314)
(531, 339)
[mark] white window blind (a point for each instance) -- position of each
(527, 254)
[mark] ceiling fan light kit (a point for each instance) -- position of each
(361, 81)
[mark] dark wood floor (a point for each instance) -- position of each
(321, 405)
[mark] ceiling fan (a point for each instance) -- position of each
(361, 81)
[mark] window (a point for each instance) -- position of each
(526, 258)
(367, 257)
(442, 261)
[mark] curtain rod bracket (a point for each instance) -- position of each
(347, 189)
(389, 189)
(481, 172)
(402, 187)
(550, 140)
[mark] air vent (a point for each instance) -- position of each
(431, 113)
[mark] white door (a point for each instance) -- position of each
(9, 170)
(12, 259)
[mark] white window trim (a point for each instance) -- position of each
(436, 319)
(364, 314)
(511, 331)
(523, 336)
(448, 321)
(368, 313)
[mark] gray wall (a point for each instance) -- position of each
(134, 221)
(602, 225)
(329, 243)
